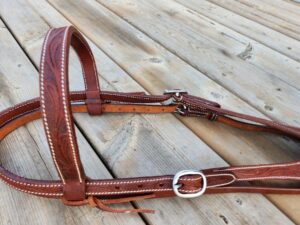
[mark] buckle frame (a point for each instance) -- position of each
(176, 95)
(181, 109)
(176, 186)
(175, 91)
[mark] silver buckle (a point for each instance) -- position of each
(181, 109)
(175, 91)
(176, 186)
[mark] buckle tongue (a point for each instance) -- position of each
(176, 186)
(176, 98)
(181, 109)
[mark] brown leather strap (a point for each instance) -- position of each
(55, 104)
(220, 180)
(75, 189)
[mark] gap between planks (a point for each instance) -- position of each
(79, 134)
(258, 107)
(261, 17)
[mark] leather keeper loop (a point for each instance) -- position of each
(74, 191)
(93, 103)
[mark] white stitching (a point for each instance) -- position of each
(270, 178)
(137, 191)
(29, 184)
(153, 180)
(138, 181)
(224, 184)
(259, 166)
(22, 104)
(127, 182)
(128, 191)
(26, 112)
(33, 192)
(65, 104)
(190, 191)
(45, 121)
(17, 116)
(17, 106)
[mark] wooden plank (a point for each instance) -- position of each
(293, 2)
(26, 153)
(225, 142)
(274, 22)
(111, 42)
(286, 12)
(252, 29)
(172, 81)
(219, 64)
(192, 24)
(208, 125)
(169, 139)
(274, 16)
(136, 14)
(246, 48)
(285, 5)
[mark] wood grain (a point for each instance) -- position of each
(226, 67)
(160, 30)
(196, 22)
(139, 145)
(231, 19)
(154, 148)
(290, 6)
(263, 13)
(25, 152)
(232, 147)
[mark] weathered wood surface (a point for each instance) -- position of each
(276, 18)
(25, 152)
(196, 16)
(223, 67)
(147, 56)
(147, 77)
(265, 35)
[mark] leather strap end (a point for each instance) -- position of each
(103, 204)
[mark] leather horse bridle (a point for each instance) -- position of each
(56, 104)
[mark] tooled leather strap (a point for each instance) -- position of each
(196, 107)
(219, 180)
(102, 192)
(56, 48)
(55, 106)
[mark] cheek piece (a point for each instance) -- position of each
(74, 188)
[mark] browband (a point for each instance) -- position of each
(74, 188)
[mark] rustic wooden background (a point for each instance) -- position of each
(244, 54)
